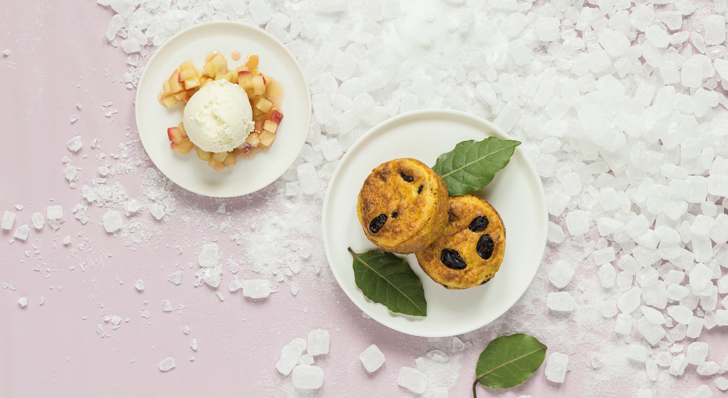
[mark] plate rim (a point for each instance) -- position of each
(438, 113)
(238, 24)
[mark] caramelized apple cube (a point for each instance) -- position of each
(276, 116)
(252, 62)
(219, 156)
(204, 155)
(258, 85)
(187, 70)
(184, 146)
(253, 139)
(209, 69)
(174, 84)
(165, 88)
(192, 83)
(169, 101)
(182, 130)
(267, 138)
(218, 166)
(204, 80)
(182, 96)
(241, 68)
(220, 64)
(270, 126)
(245, 79)
(174, 135)
(263, 104)
(230, 160)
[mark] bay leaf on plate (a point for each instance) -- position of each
(387, 279)
(471, 165)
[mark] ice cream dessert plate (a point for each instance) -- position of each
(516, 192)
(153, 119)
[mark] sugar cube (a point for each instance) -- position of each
(290, 354)
(307, 377)
(556, 367)
(372, 358)
(318, 342)
(412, 379)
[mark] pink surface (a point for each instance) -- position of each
(59, 58)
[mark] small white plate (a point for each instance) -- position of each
(153, 119)
(516, 192)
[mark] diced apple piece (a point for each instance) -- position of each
(241, 68)
(182, 130)
(216, 165)
(204, 80)
(174, 84)
(258, 85)
(184, 147)
(263, 104)
(220, 64)
(274, 91)
(253, 139)
(211, 55)
(245, 79)
(174, 135)
(187, 70)
(204, 155)
(182, 96)
(165, 88)
(230, 160)
(219, 156)
(270, 126)
(192, 83)
(170, 101)
(267, 138)
(209, 69)
(276, 116)
(252, 61)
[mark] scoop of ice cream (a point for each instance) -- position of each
(218, 118)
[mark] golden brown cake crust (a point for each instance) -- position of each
(459, 237)
(403, 206)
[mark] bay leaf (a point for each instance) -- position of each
(471, 165)
(387, 279)
(508, 361)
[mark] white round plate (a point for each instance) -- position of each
(153, 119)
(516, 192)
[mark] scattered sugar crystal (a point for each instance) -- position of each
(556, 367)
(652, 332)
(256, 288)
(318, 342)
(678, 365)
(54, 212)
(608, 308)
(235, 285)
(139, 285)
(67, 240)
(38, 220)
(561, 274)
(577, 222)
(714, 29)
(186, 330)
(596, 360)
(708, 368)
(700, 277)
(721, 318)
(291, 188)
(607, 275)
(701, 392)
(721, 383)
(209, 255)
(697, 352)
(653, 315)
(290, 354)
(167, 306)
(8, 220)
(372, 358)
(133, 206)
(112, 221)
(193, 345)
(623, 325)
(604, 256)
(308, 179)
(331, 149)
(166, 364)
(560, 301)
(74, 144)
(630, 300)
(157, 210)
(637, 352)
(457, 345)
(695, 327)
(21, 232)
(555, 233)
(23, 302)
(307, 377)
(412, 379)
(100, 330)
(680, 314)
(175, 277)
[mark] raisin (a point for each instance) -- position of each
(484, 282)
(419, 190)
(394, 214)
(451, 258)
(445, 286)
(479, 224)
(377, 223)
(485, 247)
(406, 177)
